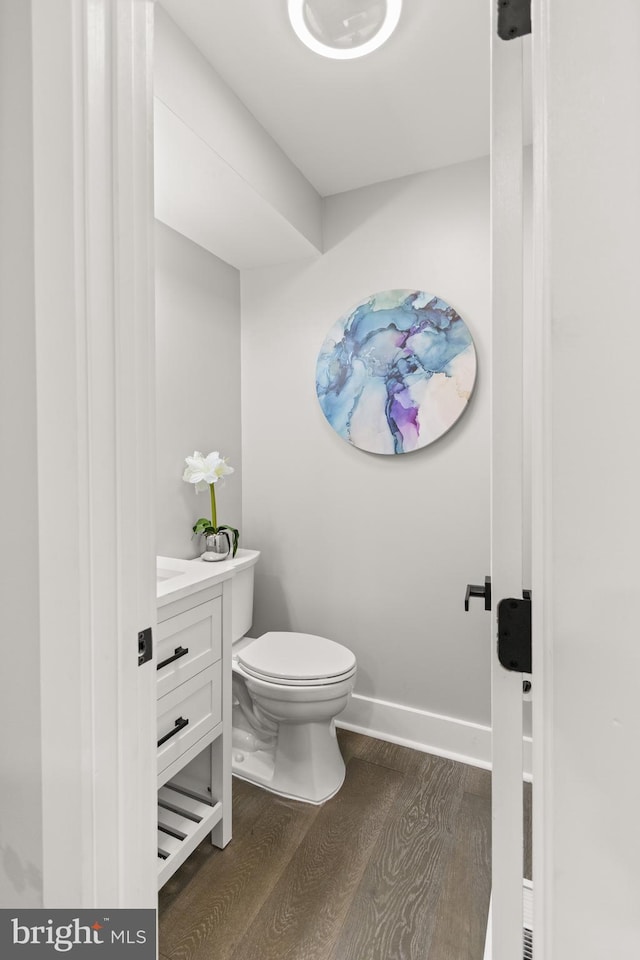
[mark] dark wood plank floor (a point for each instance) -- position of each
(395, 867)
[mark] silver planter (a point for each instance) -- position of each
(218, 546)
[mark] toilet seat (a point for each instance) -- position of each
(296, 659)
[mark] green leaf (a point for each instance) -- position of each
(235, 533)
(203, 525)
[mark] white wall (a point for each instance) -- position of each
(373, 551)
(20, 754)
(198, 385)
(217, 170)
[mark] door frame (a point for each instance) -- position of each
(95, 385)
(94, 327)
(586, 473)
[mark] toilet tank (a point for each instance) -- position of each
(242, 592)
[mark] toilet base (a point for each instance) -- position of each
(305, 764)
(252, 775)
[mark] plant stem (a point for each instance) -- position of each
(214, 518)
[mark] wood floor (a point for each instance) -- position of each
(395, 867)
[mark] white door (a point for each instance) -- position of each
(507, 431)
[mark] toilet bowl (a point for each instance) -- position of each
(288, 688)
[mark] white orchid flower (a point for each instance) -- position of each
(203, 471)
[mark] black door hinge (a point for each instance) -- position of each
(514, 19)
(145, 646)
(514, 633)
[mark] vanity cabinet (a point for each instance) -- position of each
(193, 661)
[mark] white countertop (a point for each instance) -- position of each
(180, 578)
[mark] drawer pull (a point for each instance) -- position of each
(179, 652)
(179, 725)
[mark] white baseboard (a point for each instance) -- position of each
(448, 737)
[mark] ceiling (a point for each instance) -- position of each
(419, 102)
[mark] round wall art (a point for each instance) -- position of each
(396, 372)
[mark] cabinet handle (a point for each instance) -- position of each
(179, 652)
(179, 725)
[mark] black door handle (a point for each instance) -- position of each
(473, 590)
(179, 725)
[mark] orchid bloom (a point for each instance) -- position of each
(204, 471)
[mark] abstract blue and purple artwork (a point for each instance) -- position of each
(396, 372)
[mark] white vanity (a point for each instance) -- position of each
(193, 660)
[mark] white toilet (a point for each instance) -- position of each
(287, 690)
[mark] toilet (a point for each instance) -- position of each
(288, 688)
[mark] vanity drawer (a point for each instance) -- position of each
(187, 643)
(187, 713)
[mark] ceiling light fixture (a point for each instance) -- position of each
(344, 29)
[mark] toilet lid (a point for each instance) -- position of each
(296, 658)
